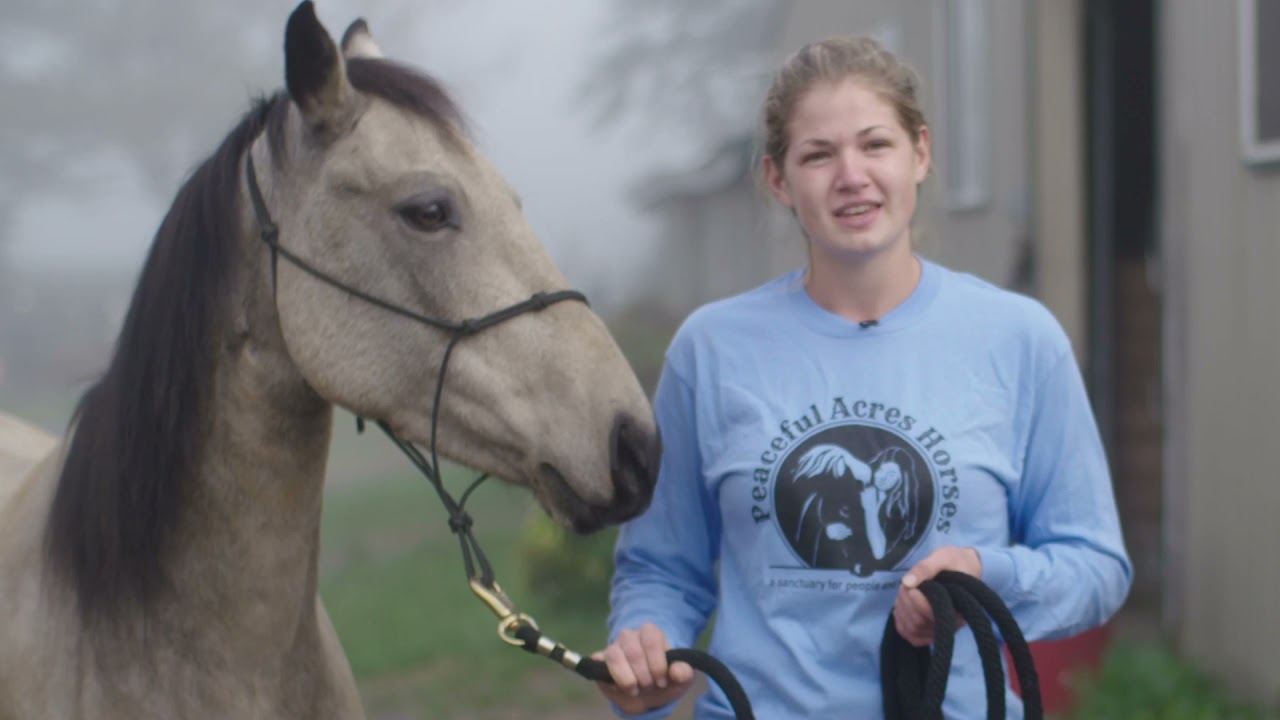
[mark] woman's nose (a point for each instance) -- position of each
(852, 172)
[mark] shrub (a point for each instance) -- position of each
(1150, 682)
(573, 571)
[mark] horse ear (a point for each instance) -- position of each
(357, 41)
(315, 74)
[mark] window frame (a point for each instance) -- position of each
(1254, 148)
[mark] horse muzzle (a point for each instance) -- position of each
(635, 452)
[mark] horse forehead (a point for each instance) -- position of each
(393, 139)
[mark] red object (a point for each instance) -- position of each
(1058, 660)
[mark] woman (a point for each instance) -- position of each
(967, 396)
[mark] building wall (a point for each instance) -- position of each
(1058, 157)
(1220, 236)
(717, 243)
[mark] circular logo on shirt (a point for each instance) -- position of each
(853, 497)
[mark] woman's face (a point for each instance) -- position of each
(850, 173)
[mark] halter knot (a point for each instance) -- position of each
(460, 523)
(538, 301)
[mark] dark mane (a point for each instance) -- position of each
(138, 430)
(407, 88)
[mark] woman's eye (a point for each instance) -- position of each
(812, 157)
(427, 216)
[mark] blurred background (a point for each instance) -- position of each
(1120, 161)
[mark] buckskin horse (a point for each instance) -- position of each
(343, 245)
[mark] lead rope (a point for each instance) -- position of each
(914, 680)
(514, 627)
(519, 629)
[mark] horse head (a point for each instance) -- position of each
(395, 232)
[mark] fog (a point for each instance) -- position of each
(519, 70)
(109, 104)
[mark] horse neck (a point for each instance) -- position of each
(247, 556)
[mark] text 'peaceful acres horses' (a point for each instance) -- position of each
(161, 562)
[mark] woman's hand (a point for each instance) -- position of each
(642, 680)
(912, 614)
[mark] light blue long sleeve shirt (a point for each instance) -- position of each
(809, 462)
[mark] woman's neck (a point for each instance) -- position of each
(864, 289)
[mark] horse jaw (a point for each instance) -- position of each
(589, 458)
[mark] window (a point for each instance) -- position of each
(1260, 80)
(965, 75)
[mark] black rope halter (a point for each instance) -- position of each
(514, 627)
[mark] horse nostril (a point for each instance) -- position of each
(633, 462)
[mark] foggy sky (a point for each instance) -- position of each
(516, 68)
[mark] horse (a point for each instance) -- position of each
(336, 249)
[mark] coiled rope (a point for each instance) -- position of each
(914, 680)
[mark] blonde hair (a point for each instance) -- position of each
(832, 60)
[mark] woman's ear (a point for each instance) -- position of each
(923, 154)
(776, 181)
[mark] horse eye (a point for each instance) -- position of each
(429, 216)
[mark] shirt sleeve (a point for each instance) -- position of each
(1066, 570)
(665, 558)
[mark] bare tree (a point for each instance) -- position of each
(155, 81)
(96, 88)
(131, 76)
(690, 66)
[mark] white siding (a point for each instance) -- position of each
(1221, 238)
